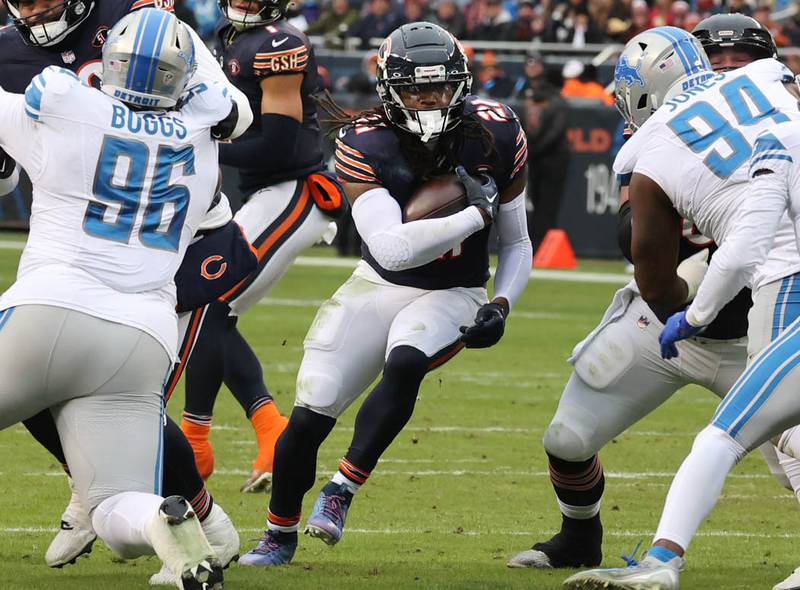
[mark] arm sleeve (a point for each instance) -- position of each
(746, 248)
(208, 70)
(515, 252)
(399, 246)
(9, 184)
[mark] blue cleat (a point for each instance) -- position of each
(329, 513)
(274, 548)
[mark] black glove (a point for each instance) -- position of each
(481, 191)
(6, 165)
(490, 323)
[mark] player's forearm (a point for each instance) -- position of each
(515, 252)
(743, 251)
(275, 149)
(399, 246)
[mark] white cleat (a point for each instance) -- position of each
(790, 583)
(178, 539)
(222, 537)
(530, 558)
(258, 482)
(649, 574)
(76, 536)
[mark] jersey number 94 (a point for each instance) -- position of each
(715, 129)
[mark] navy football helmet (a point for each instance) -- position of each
(50, 26)
(721, 31)
(418, 58)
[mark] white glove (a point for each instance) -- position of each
(692, 270)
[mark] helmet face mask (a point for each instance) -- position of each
(257, 12)
(148, 76)
(51, 25)
(423, 80)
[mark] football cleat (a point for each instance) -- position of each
(563, 550)
(649, 574)
(790, 583)
(329, 513)
(222, 537)
(259, 481)
(178, 539)
(76, 536)
(274, 548)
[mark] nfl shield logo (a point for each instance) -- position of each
(68, 57)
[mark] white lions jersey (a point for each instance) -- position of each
(697, 147)
(117, 196)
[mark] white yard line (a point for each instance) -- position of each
(330, 262)
(472, 533)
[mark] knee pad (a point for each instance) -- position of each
(318, 387)
(789, 442)
(406, 363)
(567, 443)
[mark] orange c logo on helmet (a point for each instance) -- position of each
(204, 270)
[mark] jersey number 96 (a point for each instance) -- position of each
(127, 194)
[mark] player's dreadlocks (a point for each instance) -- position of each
(425, 162)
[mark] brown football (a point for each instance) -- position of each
(436, 198)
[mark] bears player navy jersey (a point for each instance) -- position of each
(372, 153)
(80, 52)
(276, 49)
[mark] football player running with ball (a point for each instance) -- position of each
(289, 208)
(418, 296)
(89, 328)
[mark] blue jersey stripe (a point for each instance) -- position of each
(752, 390)
(33, 95)
(776, 313)
(5, 315)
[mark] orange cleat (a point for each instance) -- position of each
(268, 424)
(197, 435)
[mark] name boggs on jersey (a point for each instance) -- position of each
(270, 50)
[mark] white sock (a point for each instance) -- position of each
(697, 485)
(339, 479)
(791, 468)
(121, 520)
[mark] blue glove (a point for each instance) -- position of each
(677, 328)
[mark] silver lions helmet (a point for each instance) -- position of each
(655, 66)
(147, 59)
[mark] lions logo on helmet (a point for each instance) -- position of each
(627, 73)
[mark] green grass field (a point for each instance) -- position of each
(462, 488)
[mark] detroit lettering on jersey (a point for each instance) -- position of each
(253, 55)
(373, 154)
(81, 51)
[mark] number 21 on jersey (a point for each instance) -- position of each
(702, 127)
(165, 205)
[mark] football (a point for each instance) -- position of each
(436, 198)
